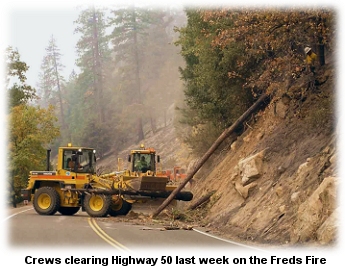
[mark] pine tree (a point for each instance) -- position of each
(51, 80)
(128, 37)
(93, 53)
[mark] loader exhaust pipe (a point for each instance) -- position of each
(48, 159)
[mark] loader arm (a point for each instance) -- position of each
(103, 182)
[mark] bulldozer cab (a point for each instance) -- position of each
(79, 160)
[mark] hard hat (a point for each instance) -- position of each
(307, 49)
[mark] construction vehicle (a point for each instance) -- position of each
(143, 173)
(74, 185)
(177, 174)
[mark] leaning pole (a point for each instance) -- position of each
(226, 133)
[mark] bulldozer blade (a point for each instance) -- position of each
(148, 183)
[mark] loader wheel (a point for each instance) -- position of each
(121, 208)
(46, 201)
(97, 205)
(68, 211)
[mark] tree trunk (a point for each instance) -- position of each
(153, 124)
(57, 76)
(97, 66)
(321, 52)
(210, 151)
(140, 129)
(137, 74)
(201, 200)
(320, 45)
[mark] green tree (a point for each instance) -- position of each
(18, 91)
(213, 100)
(234, 55)
(130, 33)
(93, 55)
(92, 50)
(31, 129)
(274, 39)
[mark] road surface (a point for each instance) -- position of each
(26, 228)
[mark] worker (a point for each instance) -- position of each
(310, 59)
(142, 165)
(69, 163)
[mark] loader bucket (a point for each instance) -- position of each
(148, 183)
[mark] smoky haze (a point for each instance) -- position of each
(30, 29)
(106, 91)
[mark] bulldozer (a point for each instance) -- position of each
(75, 185)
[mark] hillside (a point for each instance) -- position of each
(276, 183)
(171, 149)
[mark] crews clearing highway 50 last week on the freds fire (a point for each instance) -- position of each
(125, 261)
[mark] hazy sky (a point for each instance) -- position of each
(30, 31)
(29, 28)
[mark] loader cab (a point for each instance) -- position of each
(79, 160)
(143, 160)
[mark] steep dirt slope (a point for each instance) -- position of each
(276, 183)
(170, 148)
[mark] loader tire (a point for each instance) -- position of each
(97, 205)
(46, 201)
(68, 211)
(116, 210)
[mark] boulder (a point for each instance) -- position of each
(250, 168)
(281, 110)
(314, 211)
(327, 233)
(244, 190)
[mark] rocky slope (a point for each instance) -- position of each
(276, 183)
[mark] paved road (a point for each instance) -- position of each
(26, 229)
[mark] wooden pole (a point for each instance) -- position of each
(226, 133)
(201, 200)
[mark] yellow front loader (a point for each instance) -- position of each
(141, 174)
(74, 185)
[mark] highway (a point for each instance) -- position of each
(25, 228)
